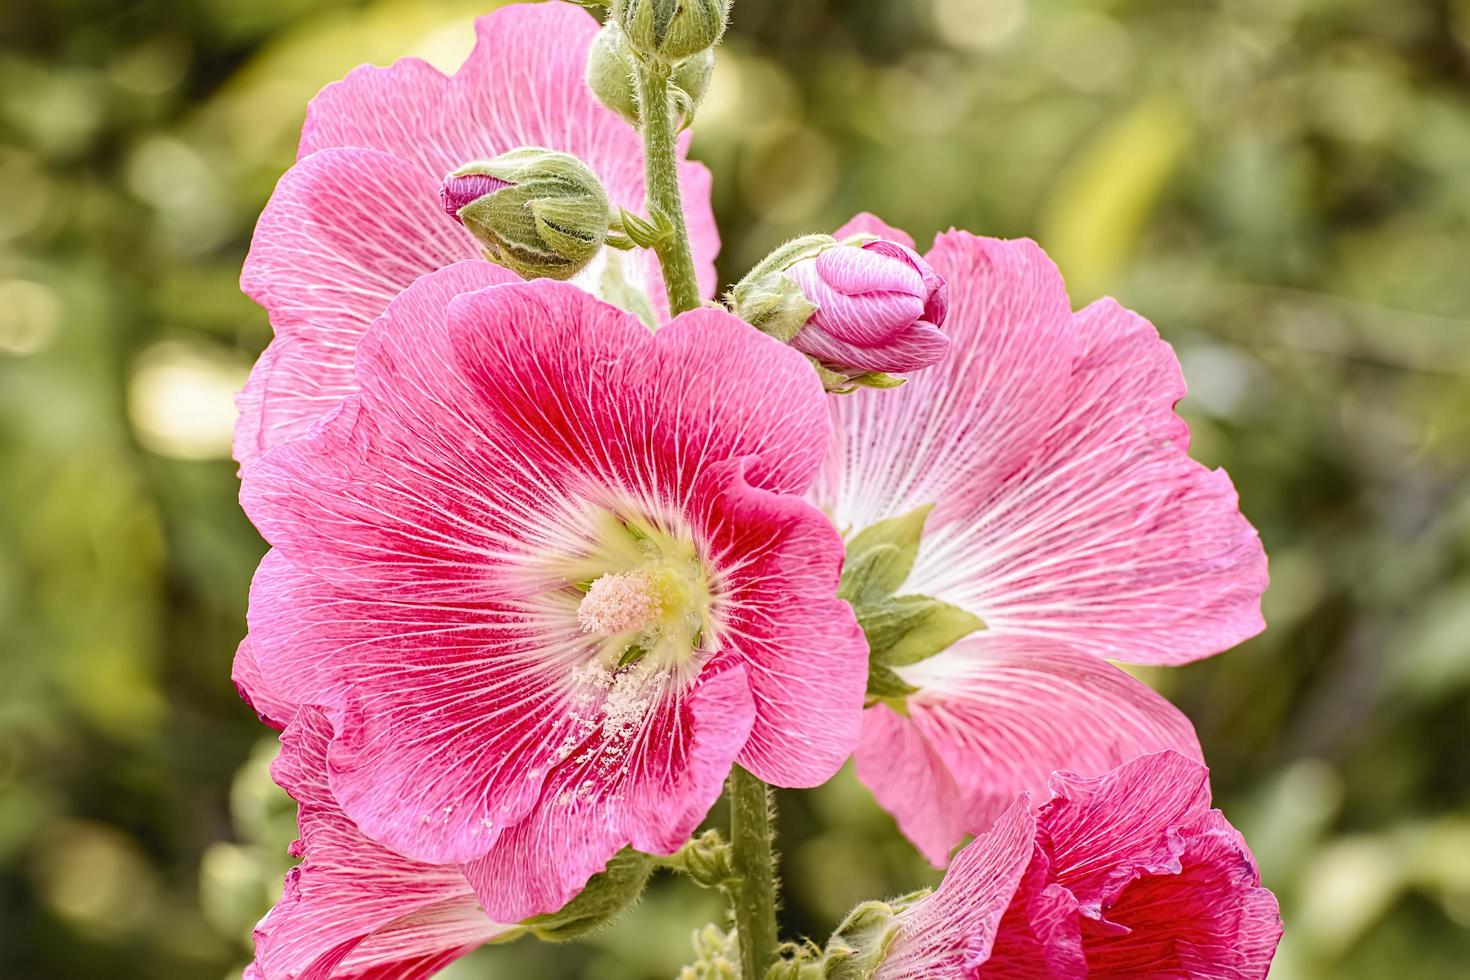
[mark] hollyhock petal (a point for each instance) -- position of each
(958, 430)
(1126, 874)
(674, 774)
(949, 933)
(351, 224)
(454, 749)
(528, 428)
(1040, 937)
(432, 537)
(806, 656)
(1165, 885)
(328, 256)
(1136, 809)
(352, 908)
(1111, 538)
(999, 714)
(912, 782)
(516, 89)
(917, 345)
(1212, 919)
(272, 709)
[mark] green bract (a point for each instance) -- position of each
(549, 222)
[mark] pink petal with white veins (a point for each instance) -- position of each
(999, 714)
(353, 909)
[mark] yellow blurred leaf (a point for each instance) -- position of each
(1093, 216)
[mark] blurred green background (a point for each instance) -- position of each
(1283, 186)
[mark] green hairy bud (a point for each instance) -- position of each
(610, 68)
(668, 31)
(539, 213)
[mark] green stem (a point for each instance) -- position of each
(661, 159)
(755, 863)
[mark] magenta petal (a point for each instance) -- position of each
(345, 231)
(871, 224)
(663, 789)
(806, 656)
(950, 933)
(1110, 538)
(997, 715)
(394, 769)
(410, 593)
(353, 909)
(913, 783)
(272, 708)
(1165, 885)
(958, 430)
(1210, 918)
(514, 90)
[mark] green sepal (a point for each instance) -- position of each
(907, 629)
(861, 942)
(886, 686)
(643, 232)
(880, 557)
(610, 892)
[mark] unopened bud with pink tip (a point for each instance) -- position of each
(861, 308)
(539, 213)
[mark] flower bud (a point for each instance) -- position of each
(539, 213)
(668, 31)
(879, 308)
(859, 308)
(716, 955)
(610, 68)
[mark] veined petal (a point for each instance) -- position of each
(780, 561)
(1110, 538)
(448, 717)
(997, 715)
(950, 933)
(352, 908)
(270, 706)
(651, 794)
(432, 545)
(344, 233)
(954, 433)
(522, 85)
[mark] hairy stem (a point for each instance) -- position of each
(661, 160)
(755, 863)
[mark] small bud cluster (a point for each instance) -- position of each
(716, 955)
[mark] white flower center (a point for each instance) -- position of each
(621, 602)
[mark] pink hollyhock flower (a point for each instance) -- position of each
(359, 216)
(1127, 874)
(1067, 516)
(354, 909)
(879, 308)
(550, 575)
